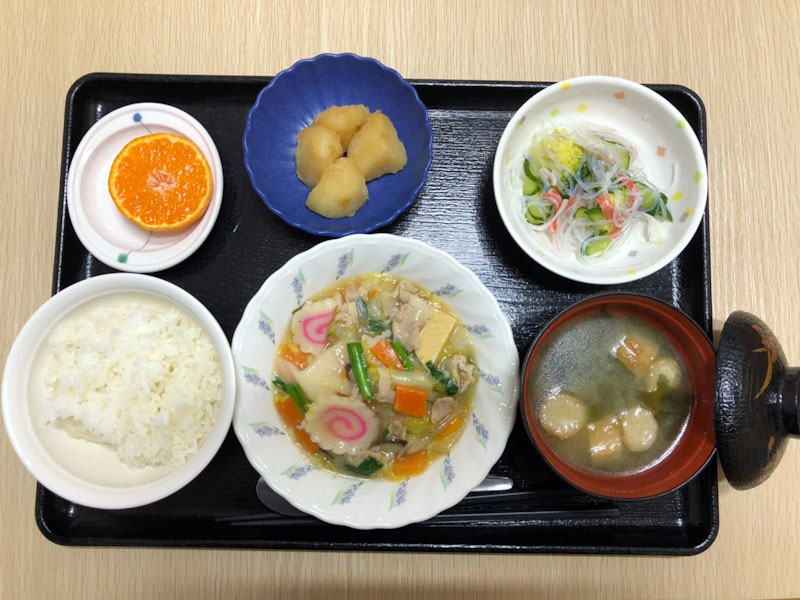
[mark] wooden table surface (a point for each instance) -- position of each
(741, 57)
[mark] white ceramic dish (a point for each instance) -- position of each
(62, 474)
(667, 145)
(362, 503)
(108, 235)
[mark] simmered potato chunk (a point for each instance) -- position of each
(341, 190)
(562, 415)
(605, 439)
(639, 428)
(376, 149)
(317, 147)
(637, 353)
(344, 120)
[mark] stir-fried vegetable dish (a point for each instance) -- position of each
(374, 377)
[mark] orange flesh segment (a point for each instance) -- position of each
(161, 181)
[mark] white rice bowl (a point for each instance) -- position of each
(351, 501)
(95, 474)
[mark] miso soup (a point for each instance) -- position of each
(610, 393)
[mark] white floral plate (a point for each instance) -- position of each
(344, 500)
(106, 233)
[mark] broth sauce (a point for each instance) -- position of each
(617, 389)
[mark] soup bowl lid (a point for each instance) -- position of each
(755, 400)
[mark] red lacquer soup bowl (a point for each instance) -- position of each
(695, 445)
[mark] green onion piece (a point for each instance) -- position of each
(402, 354)
(359, 365)
(367, 467)
(294, 392)
(449, 387)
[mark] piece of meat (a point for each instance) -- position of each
(442, 409)
(404, 291)
(347, 314)
(397, 432)
(409, 322)
(460, 370)
(385, 392)
(359, 457)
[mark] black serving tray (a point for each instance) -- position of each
(455, 212)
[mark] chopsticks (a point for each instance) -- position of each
(595, 509)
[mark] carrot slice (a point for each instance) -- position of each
(295, 356)
(410, 464)
(293, 417)
(410, 400)
(384, 352)
(452, 426)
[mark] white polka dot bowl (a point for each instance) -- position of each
(366, 503)
(107, 234)
(669, 153)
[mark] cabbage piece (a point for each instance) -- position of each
(341, 425)
(325, 375)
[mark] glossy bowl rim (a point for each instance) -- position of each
(523, 401)
(354, 230)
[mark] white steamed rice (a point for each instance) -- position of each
(140, 376)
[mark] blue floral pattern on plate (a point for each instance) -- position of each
(252, 377)
(264, 429)
(299, 286)
(396, 260)
(346, 495)
(398, 495)
(345, 262)
(297, 472)
(448, 290)
(447, 474)
(481, 330)
(493, 382)
(265, 326)
(481, 433)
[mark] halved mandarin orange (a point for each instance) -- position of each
(161, 181)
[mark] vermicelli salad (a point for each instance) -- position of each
(582, 188)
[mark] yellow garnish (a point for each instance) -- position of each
(564, 149)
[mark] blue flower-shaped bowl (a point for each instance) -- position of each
(292, 100)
